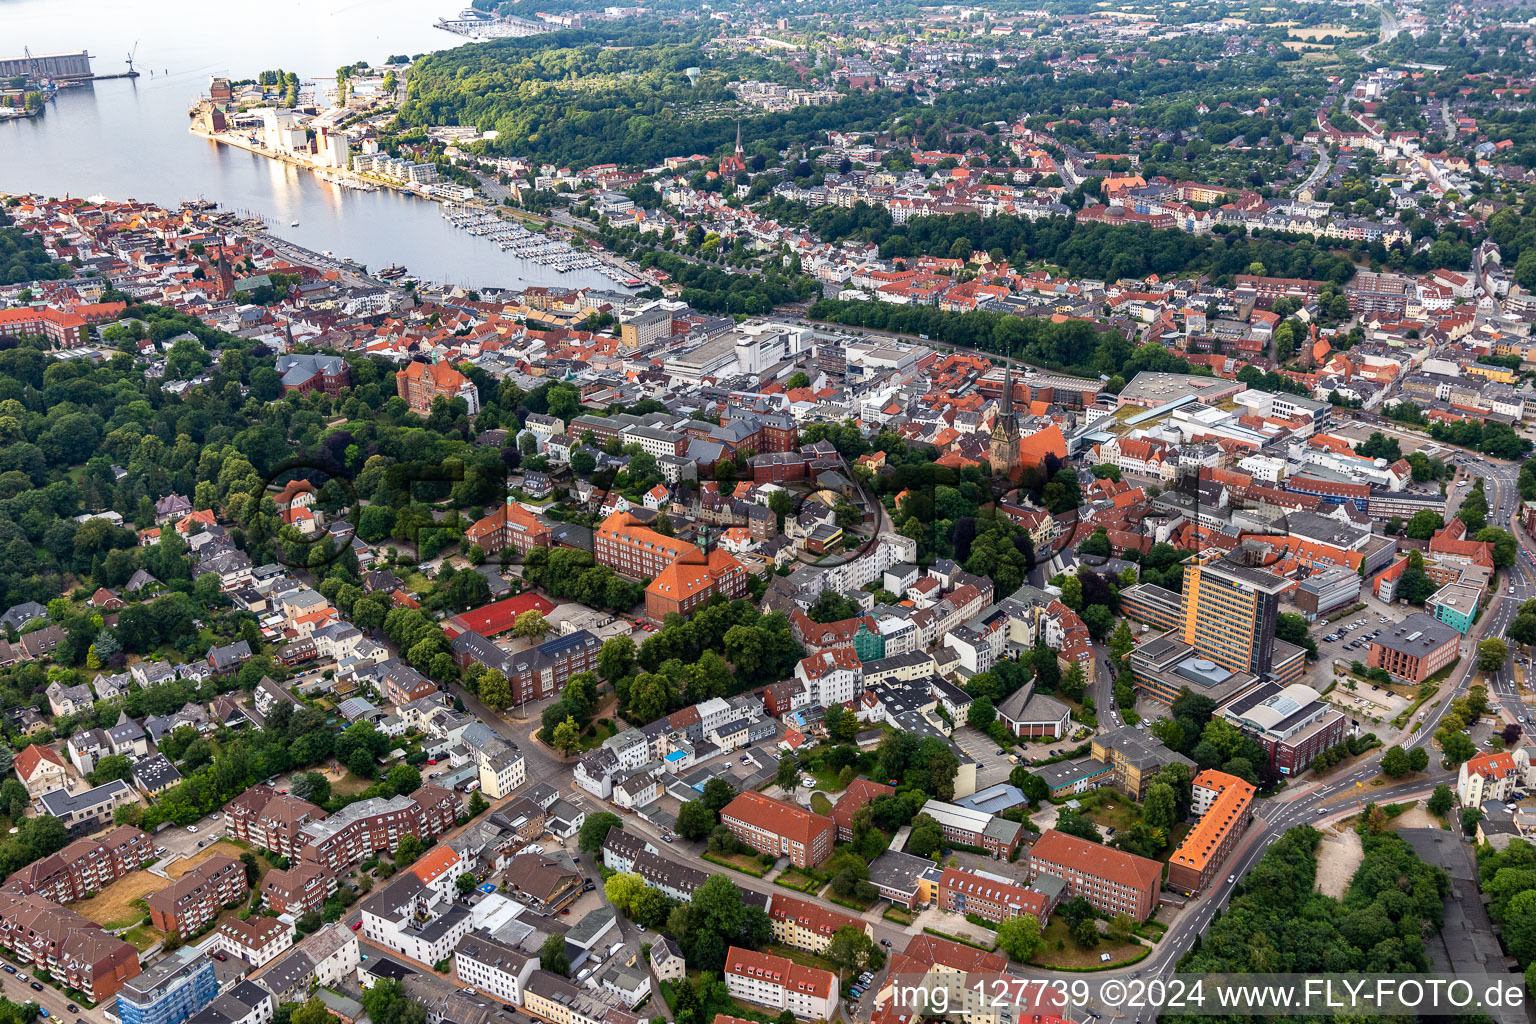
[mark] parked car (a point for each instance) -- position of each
(36, 986)
(191, 828)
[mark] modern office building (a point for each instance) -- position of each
(1291, 722)
(1230, 612)
(171, 991)
(1415, 649)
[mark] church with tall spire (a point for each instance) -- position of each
(1004, 454)
(737, 162)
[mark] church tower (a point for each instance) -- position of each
(1004, 455)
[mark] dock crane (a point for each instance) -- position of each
(131, 53)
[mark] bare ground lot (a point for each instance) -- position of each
(115, 906)
(1338, 859)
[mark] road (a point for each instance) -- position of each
(1323, 163)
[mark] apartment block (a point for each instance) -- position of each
(303, 887)
(780, 829)
(258, 941)
(492, 966)
(1114, 882)
(271, 820)
(71, 949)
(801, 924)
(780, 984)
(196, 898)
(85, 866)
(1225, 806)
(369, 826)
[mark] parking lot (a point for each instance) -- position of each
(991, 767)
(1351, 637)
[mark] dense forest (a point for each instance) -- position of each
(1279, 923)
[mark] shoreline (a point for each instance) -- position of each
(349, 179)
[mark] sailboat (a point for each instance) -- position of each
(294, 224)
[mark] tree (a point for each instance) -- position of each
(404, 779)
(789, 768)
(567, 736)
(1457, 747)
(465, 883)
(694, 820)
(552, 956)
(982, 714)
(495, 691)
(623, 891)
(1441, 800)
(313, 1011)
(1492, 654)
(531, 625)
(595, 830)
(852, 951)
(1394, 763)
(1418, 759)
(409, 849)
(926, 837)
(1470, 816)
(616, 658)
(1019, 936)
(110, 768)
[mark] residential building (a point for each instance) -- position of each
(88, 809)
(780, 984)
(1113, 881)
(509, 526)
(801, 924)
(977, 829)
(74, 951)
(491, 966)
(257, 941)
(369, 826)
(41, 769)
(305, 886)
(85, 866)
(780, 829)
(271, 820)
(1225, 806)
(194, 899)
(413, 919)
(995, 898)
(305, 373)
(1493, 776)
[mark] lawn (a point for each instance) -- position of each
(1074, 956)
(117, 905)
(820, 803)
(747, 863)
(1110, 808)
(898, 915)
(143, 937)
(794, 878)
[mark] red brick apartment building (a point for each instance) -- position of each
(85, 866)
(510, 526)
(271, 820)
(74, 950)
(860, 792)
(362, 829)
(1114, 882)
(64, 330)
(196, 898)
(300, 889)
(1225, 805)
(965, 892)
(780, 829)
(802, 924)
